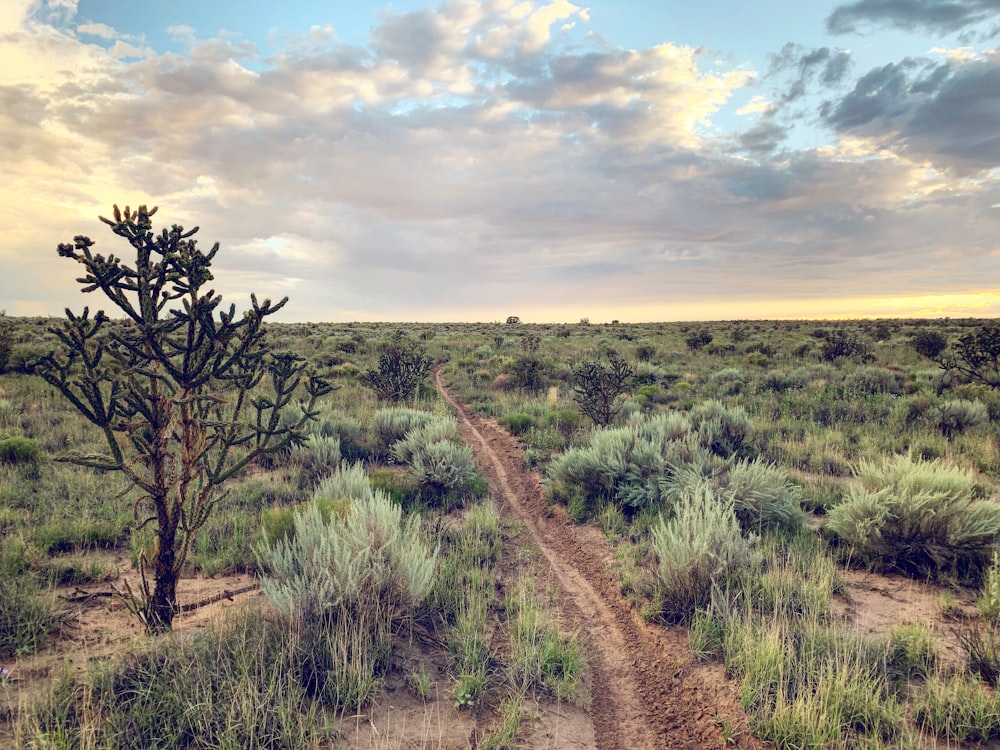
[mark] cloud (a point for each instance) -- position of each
(947, 114)
(936, 16)
(474, 157)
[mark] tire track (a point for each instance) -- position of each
(647, 691)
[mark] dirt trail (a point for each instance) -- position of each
(647, 690)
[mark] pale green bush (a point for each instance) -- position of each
(918, 517)
(955, 416)
(720, 428)
(700, 547)
(443, 467)
(391, 425)
(369, 561)
(416, 440)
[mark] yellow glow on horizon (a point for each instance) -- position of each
(971, 304)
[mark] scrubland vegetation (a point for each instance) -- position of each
(738, 470)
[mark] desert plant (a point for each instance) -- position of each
(435, 431)
(597, 387)
(719, 428)
(698, 340)
(918, 517)
(19, 450)
(392, 425)
(176, 392)
(977, 356)
(955, 416)
(700, 547)
(840, 343)
(443, 467)
(929, 344)
(6, 340)
(402, 367)
(369, 562)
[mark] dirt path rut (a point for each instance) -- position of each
(647, 690)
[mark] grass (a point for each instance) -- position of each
(812, 421)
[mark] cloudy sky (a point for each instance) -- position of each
(470, 160)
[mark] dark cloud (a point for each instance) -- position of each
(938, 16)
(948, 114)
(765, 137)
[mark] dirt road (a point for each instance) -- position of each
(647, 690)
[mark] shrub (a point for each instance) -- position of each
(518, 423)
(840, 344)
(6, 340)
(700, 547)
(719, 428)
(19, 450)
(444, 468)
(597, 387)
(698, 340)
(872, 380)
(392, 425)
(623, 465)
(918, 517)
(370, 562)
(762, 495)
(929, 344)
(955, 416)
(417, 439)
(402, 367)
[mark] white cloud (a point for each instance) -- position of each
(467, 159)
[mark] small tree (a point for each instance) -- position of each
(698, 340)
(597, 386)
(178, 392)
(977, 356)
(402, 366)
(527, 371)
(929, 344)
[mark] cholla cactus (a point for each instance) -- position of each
(185, 393)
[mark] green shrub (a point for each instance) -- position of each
(721, 429)
(700, 547)
(518, 423)
(391, 425)
(348, 582)
(444, 468)
(955, 416)
(762, 495)
(872, 380)
(918, 517)
(19, 450)
(419, 438)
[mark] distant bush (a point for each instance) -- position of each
(873, 380)
(19, 450)
(838, 344)
(921, 518)
(698, 340)
(929, 344)
(955, 416)
(701, 546)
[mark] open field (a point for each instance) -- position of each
(785, 535)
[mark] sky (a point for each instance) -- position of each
(466, 161)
